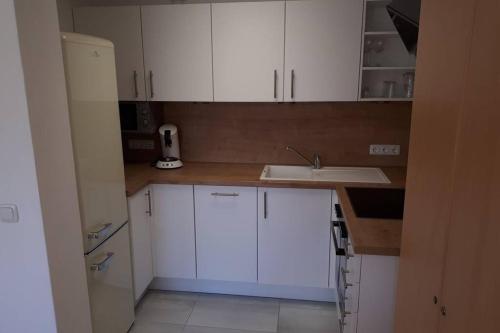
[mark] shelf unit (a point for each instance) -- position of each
(384, 56)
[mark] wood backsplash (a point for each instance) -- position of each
(258, 132)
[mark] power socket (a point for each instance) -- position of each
(392, 150)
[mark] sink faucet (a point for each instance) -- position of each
(315, 165)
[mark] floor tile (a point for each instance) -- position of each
(199, 329)
(308, 305)
(308, 317)
(164, 308)
(237, 299)
(237, 313)
(174, 295)
(156, 328)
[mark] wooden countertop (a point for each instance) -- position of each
(139, 175)
(369, 236)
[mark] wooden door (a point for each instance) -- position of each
(226, 233)
(294, 236)
(139, 206)
(121, 25)
(248, 46)
(178, 52)
(322, 50)
(449, 235)
(471, 284)
(173, 232)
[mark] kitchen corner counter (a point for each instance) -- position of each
(370, 236)
(232, 174)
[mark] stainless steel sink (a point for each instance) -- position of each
(326, 174)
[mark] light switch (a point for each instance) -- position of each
(9, 214)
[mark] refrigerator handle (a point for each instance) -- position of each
(101, 230)
(102, 265)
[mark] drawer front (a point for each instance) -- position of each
(109, 279)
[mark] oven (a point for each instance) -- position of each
(346, 289)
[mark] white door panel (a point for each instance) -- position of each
(178, 52)
(294, 236)
(248, 46)
(121, 25)
(322, 49)
(173, 232)
(226, 233)
(140, 232)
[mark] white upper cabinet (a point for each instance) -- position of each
(178, 52)
(121, 25)
(322, 50)
(294, 236)
(248, 46)
(226, 233)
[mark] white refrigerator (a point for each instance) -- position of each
(89, 65)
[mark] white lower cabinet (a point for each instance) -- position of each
(294, 237)
(367, 293)
(173, 232)
(139, 211)
(226, 233)
(239, 240)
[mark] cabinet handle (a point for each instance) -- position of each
(292, 93)
(275, 84)
(217, 194)
(149, 211)
(151, 84)
(102, 265)
(265, 205)
(136, 89)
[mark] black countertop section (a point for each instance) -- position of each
(377, 203)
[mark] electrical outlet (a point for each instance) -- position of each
(392, 150)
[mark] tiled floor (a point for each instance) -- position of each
(169, 312)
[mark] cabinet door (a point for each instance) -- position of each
(226, 233)
(139, 210)
(173, 232)
(248, 46)
(322, 50)
(121, 25)
(294, 237)
(178, 52)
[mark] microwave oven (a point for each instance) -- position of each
(137, 117)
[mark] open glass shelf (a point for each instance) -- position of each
(385, 57)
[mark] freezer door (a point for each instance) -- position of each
(110, 284)
(95, 129)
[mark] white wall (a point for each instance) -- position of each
(25, 291)
(50, 129)
(42, 280)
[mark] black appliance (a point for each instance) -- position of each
(405, 15)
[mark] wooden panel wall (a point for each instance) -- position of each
(449, 254)
(258, 132)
